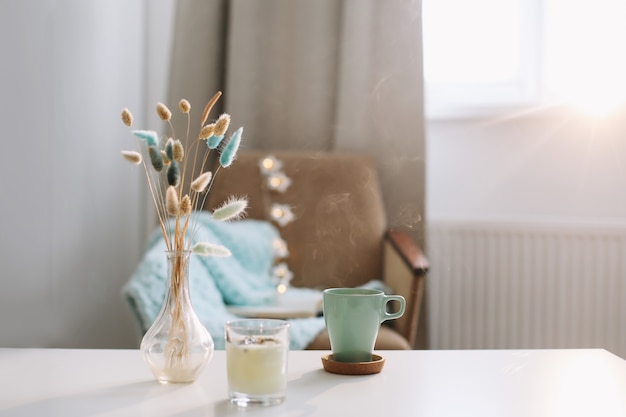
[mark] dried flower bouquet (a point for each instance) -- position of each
(166, 163)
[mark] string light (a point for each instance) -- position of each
(269, 165)
(282, 274)
(278, 182)
(280, 248)
(282, 214)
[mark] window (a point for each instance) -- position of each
(487, 54)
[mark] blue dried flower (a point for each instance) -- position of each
(156, 158)
(169, 149)
(214, 141)
(173, 174)
(230, 150)
(149, 136)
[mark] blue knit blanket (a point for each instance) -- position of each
(241, 279)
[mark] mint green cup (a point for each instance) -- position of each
(353, 317)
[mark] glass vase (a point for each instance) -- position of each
(177, 346)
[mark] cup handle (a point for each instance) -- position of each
(390, 316)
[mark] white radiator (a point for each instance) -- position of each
(519, 285)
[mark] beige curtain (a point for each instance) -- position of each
(318, 75)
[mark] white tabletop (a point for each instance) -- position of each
(502, 383)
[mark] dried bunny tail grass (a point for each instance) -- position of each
(166, 160)
(210, 249)
(163, 112)
(173, 174)
(169, 148)
(232, 209)
(185, 205)
(156, 158)
(132, 156)
(214, 141)
(127, 117)
(221, 126)
(200, 183)
(178, 151)
(207, 131)
(184, 106)
(149, 136)
(209, 106)
(171, 201)
(230, 150)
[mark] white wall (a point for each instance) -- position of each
(556, 171)
(71, 218)
(550, 164)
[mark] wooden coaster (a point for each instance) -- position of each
(353, 368)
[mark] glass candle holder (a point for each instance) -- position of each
(256, 361)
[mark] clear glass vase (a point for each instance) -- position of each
(177, 346)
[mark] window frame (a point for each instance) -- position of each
(462, 100)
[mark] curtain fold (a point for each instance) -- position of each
(381, 110)
(281, 73)
(315, 75)
(197, 67)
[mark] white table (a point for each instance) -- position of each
(72, 383)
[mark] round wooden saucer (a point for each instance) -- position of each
(353, 368)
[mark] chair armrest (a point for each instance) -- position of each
(411, 254)
(404, 270)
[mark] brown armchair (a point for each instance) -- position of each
(339, 237)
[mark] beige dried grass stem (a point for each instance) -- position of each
(157, 199)
(207, 131)
(221, 126)
(163, 112)
(178, 150)
(176, 353)
(205, 115)
(199, 184)
(184, 106)
(132, 156)
(166, 159)
(127, 117)
(208, 107)
(171, 201)
(185, 205)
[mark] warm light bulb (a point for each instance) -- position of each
(278, 213)
(268, 163)
(280, 248)
(282, 274)
(282, 214)
(278, 181)
(275, 181)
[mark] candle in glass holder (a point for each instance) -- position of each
(257, 368)
(256, 361)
